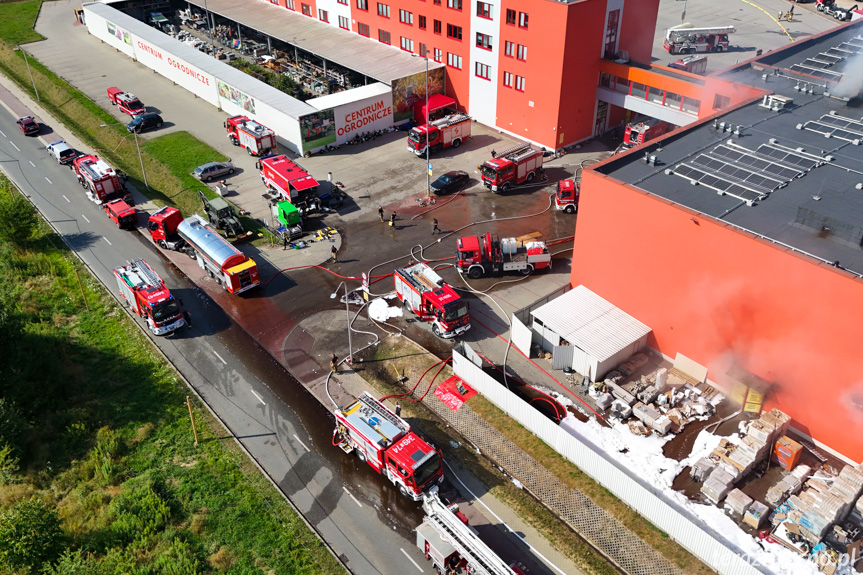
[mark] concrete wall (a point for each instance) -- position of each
(110, 33)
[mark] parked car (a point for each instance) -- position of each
(212, 170)
(28, 125)
(61, 151)
(145, 122)
(450, 182)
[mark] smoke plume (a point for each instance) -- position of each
(851, 83)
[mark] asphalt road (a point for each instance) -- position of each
(282, 426)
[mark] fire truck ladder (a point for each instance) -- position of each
(425, 281)
(513, 150)
(450, 120)
(481, 559)
(148, 274)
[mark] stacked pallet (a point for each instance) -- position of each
(738, 502)
(717, 485)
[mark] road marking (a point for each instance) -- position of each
(14, 146)
(107, 240)
(49, 181)
(360, 505)
(411, 560)
(85, 217)
(220, 357)
(65, 198)
(2, 132)
(261, 399)
(301, 442)
(32, 164)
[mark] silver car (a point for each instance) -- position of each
(212, 170)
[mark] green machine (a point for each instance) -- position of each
(290, 219)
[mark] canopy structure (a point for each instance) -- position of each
(436, 103)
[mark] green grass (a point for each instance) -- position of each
(110, 438)
(16, 21)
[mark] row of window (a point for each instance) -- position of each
(655, 95)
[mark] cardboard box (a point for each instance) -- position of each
(787, 452)
(756, 514)
(737, 501)
(701, 469)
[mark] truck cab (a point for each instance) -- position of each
(121, 214)
(127, 102)
(566, 198)
(163, 228)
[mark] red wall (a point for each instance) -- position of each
(637, 28)
(716, 295)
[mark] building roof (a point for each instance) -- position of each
(590, 323)
(347, 49)
(791, 173)
(348, 96)
(206, 63)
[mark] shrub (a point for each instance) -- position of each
(30, 535)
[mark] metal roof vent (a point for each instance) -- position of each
(859, 186)
(670, 172)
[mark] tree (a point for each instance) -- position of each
(30, 535)
(18, 219)
(13, 428)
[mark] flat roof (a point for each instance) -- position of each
(347, 49)
(348, 96)
(206, 63)
(794, 174)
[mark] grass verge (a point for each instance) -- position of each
(107, 443)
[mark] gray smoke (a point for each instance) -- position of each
(851, 83)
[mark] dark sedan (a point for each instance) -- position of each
(28, 125)
(450, 182)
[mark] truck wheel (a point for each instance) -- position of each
(251, 153)
(404, 491)
(474, 273)
(528, 270)
(456, 143)
(163, 245)
(717, 49)
(361, 455)
(530, 176)
(407, 305)
(569, 209)
(505, 187)
(210, 273)
(191, 253)
(436, 330)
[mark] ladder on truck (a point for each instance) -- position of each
(450, 120)
(480, 559)
(138, 272)
(513, 150)
(426, 281)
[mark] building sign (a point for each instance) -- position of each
(231, 94)
(119, 33)
(156, 57)
(356, 119)
(318, 129)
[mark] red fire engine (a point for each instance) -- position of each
(566, 198)
(684, 39)
(385, 441)
(121, 214)
(513, 166)
(146, 294)
(256, 138)
(127, 102)
(691, 64)
(289, 181)
(100, 180)
(446, 132)
(163, 224)
(638, 133)
(222, 261)
(478, 256)
(429, 297)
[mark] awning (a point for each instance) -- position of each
(303, 184)
(436, 102)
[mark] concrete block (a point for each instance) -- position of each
(737, 501)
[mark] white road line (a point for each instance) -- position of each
(411, 560)
(32, 164)
(107, 240)
(261, 399)
(46, 177)
(300, 441)
(14, 146)
(85, 217)
(359, 504)
(2, 132)
(220, 357)
(65, 198)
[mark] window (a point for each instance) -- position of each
(454, 4)
(510, 17)
(507, 79)
(438, 55)
(363, 29)
(345, 2)
(383, 10)
(406, 17)
(323, 16)
(384, 36)
(344, 22)
(437, 2)
(611, 34)
(673, 101)
(521, 53)
(424, 51)
(638, 90)
(519, 83)
(522, 19)
(483, 71)
(453, 32)
(483, 41)
(483, 10)
(422, 23)
(307, 10)
(720, 101)
(656, 95)
(453, 60)
(407, 44)
(690, 106)
(290, 4)
(437, 26)
(509, 49)
(363, 5)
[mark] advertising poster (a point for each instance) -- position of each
(120, 34)
(409, 90)
(318, 129)
(236, 97)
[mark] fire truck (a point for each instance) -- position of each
(147, 296)
(566, 198)
(479, 256)
(163, 224)
(431, 299)
(691, 64)
(446, 132)
(684, 39)
(513, 166)
(121, 214)
(640, 132)
(100, 180)
(385, 441)
(290, 182)
(127, 102)
(448, 540)
(256, 138)
(222, 261)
